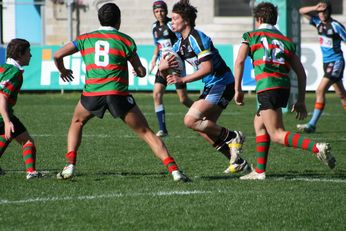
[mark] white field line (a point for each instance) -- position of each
(101, 196)
(153, 194)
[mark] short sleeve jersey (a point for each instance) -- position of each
(105, 53)
(11, 80)
(197, 48)
(270, 52)
(330, 35)
(163, 36)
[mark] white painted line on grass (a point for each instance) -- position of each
(93, 197)
(155, 194)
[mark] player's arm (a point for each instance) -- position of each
(238, 73)
(308, 10)
(137, 65)
(299, 107)
(68, 49)
(154, 58)
(5, 116)
(204, 68)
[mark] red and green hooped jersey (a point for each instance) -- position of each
(270, 51)
(11, 80)
(105, 53)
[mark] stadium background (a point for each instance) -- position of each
(49, 24)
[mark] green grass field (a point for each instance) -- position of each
(120, 185)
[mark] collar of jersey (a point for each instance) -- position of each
(267, 26)
(14, 63)
(107, 28)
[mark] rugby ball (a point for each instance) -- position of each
(180, 70)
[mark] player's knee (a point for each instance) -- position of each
(192, 117)
(157, 96)
(319, 92)
(78, 121)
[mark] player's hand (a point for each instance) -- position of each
(239, 98)
(9, 129)
(300, 110)
(320, 7)
(168, 63)
(173, 79)
(66, 75)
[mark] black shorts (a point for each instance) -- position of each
(19, 127)
(117, 105)
(220, 95)
(334, 71)
(273, 99)
(160, 79)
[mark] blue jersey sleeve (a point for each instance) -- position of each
(315, 21)
(201, 45)
(340, 30)
(75, 44)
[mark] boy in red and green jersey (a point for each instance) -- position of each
(271, 71)
(105, 53)
(11, 80)
(273, 55)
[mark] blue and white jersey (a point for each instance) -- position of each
(330, 35)
(163, 36)
(197, 48)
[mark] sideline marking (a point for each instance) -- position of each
(154, 194)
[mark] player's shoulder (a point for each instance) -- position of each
(155, 24)
(9, 71)
(199, 36)
(336, 23)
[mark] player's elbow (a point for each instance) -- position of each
(239, 63)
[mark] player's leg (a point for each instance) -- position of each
(159, 90)
(183, 96)
(340, 92)
(262, 149)
(74, 137)
(273, 122)
(320, 102)
(29, 154)
(135, 119)
(213, 100)
(3, 143)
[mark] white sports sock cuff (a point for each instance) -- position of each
(159, 108)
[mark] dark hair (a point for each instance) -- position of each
(329, 6)
(16, 48)
(160, 4)
(109, 15)
(267, 12)
(186, 11)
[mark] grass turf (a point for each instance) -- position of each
(120, 185)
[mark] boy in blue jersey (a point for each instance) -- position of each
(164, 38)
(197, 49)
(330, 33)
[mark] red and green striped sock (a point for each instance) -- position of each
(3, 144)
(297, 141)
(71, 157)
(29, 156)
(170, 164)
(262, 149)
